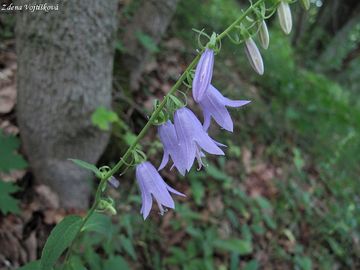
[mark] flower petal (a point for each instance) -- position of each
(203, 74)
(236, 103)
(171, 146)
(164, 160)
(213, 105)
(209, 146)
(184, 131)
(175, 191)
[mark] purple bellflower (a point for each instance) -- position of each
(151, 184)
(214, 105)
(170, 143)
(203, 74)
(192, 138)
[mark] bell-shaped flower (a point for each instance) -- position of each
(214, 105)
(203, 74)
(264, 37)
(285, 18)
(170, 143)
(193, 138)
(152, 185)
(254, 56)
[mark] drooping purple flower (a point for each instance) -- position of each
(151, 184)
(203, 74)
(192, 138)
(170, 143)
(214, 105)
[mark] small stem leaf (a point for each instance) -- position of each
(86, 165)
(147, 42)
(60, 238)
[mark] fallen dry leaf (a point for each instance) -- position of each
(12, 176)
(8, 128)
(47, 198)
(7, 98)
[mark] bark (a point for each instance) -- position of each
(65, 61)
(152, 19)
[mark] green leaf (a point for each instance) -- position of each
(102, 118)
(298, 159)
(8, 204)
(146, 41)
(304, 262)
(217, 174)
(198, 191)
(116, 263)
(9, 158)
(128, 246)
(60, 238)
(99, 223)
(234, 261)
(242, 247)
(270, 222)
(252, 265)
(35, 265)
(119, 46)
(75, 263)
(263, 203)
(129, 138)
(336, 247)
(85, 165)
(92, 258)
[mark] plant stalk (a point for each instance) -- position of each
(143, 132)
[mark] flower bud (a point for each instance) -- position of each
(113, 182)
(285, 18)
(306, 4)
(264, 35)
(254, 56)
(107, 205)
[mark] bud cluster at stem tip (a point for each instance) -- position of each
(184, 137)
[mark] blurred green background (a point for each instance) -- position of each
(287, 194)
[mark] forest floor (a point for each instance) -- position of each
(269, 195)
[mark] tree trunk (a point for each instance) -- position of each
(152, 19)
(65, 62)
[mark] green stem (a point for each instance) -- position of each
(148, 125)
(86, 218)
